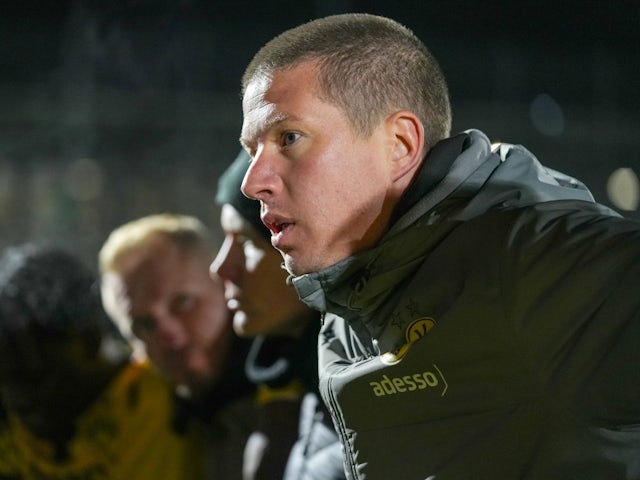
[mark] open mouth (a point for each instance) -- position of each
(279, 227)
(274, 224)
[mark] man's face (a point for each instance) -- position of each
(323, 188)
(176, 309)
(255, 283)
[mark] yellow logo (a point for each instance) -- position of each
(414, 332)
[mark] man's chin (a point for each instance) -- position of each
(293, 267)
(296, 268)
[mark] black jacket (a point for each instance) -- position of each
(492, 334)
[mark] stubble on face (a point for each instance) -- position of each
(332, 182)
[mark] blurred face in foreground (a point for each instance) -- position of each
(255, 283)
(176, 310)
(326, 191)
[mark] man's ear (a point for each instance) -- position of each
(406, 135)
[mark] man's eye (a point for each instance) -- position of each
(182, 304)
(289, 138)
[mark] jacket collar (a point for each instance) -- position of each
(357, 287)
(433, 170)
(476, 178)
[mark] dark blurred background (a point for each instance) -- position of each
(115, 109)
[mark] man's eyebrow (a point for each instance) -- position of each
(248, 140)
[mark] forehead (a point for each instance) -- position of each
(259, 113)
(159, 268)
(269, 98)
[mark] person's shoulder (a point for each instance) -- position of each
(573, 216)
(140, 389)
(548, 212)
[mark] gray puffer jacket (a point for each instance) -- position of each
(493, 333)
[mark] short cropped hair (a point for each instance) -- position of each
(369, 66)
(48, 291)
(188, 233)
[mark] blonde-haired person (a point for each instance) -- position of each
(156, 286)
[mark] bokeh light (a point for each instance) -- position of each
(623, 189)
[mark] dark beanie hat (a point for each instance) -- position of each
(229, 192)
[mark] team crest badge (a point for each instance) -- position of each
(414, 331)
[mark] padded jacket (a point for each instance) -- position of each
(492, 333)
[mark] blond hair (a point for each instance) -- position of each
(187, 232)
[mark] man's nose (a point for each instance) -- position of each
(260, 180)
(226, 265)
(171, 332)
